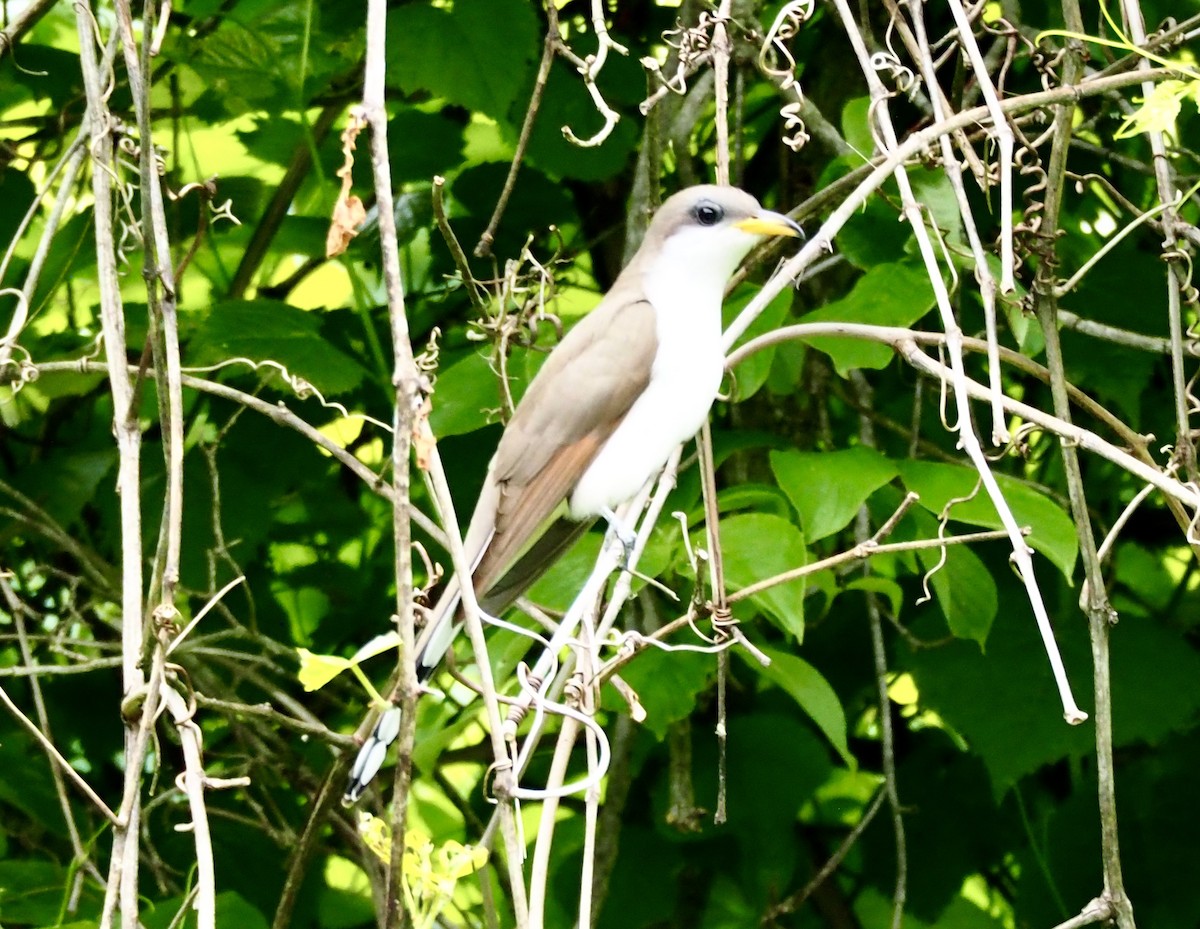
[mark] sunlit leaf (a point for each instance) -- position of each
(812, 692)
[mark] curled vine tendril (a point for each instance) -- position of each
(775, 60)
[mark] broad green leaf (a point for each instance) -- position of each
(464, 394)
(964, 587)
(244, 63)
(1143, 573)
(269, 331)
(666, 684)
(752, 373)
(873, 908)
(856, 127)
(883, 586)
(811, 691)
(1106, 370)
(1004, 703)
(887, 295)
(757, 546)
(1053, 533)
(939, 205)
(764, 748)
(727, 905)
(16, 195)
(828, 488)
(31, 891)
(345, 897)
(232, 910)
(874, 235)
(1154, 670)
(63, 484)
(753, 497)
(475, 55)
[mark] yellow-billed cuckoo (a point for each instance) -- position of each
(627, 384)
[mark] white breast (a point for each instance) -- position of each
(686, 290)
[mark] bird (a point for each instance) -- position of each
(632, 380)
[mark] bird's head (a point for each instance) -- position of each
(710, 229)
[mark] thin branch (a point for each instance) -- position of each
(1098, 910)
(277, 413)
(862, 529)
(906, 342)
(406, 381)
(58, 760)
(1100, 612)
(192, 782)
(18, 611)
(276, 212)
(483, 248)
(870, 178)
(795, 901)
(25, 20)
(861, 552)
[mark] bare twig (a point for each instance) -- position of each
(1099, 611)
(550, 43)
(406, 381)
(795, 901)
(862, 529)
(25, 20)
(57, 759)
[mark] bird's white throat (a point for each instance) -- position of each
(685, 284)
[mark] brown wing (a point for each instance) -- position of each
(552, 543)
(580, 396)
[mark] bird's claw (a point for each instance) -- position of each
(624, 535)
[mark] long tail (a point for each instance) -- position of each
(439, 635)
(445, 622)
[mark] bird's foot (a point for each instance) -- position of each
(623, 533)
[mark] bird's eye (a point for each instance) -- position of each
(709, 214)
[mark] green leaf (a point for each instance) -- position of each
(1107, 370)
(1053, 533)
(558, 587)
(475, 54)
(828, 488)
(872, 908)
(31, 892)
(232, 910)
(567, 103)
(752, 373)
(463, 395)
(1154, 670)
(887, 295)
(856, 127)
(811, 691)
(940, 205)
(883, 586)
(756, 546)
(63, 484)
(1005, 703)
(242, 63)
(264, 330)
(965, 589)
(666, 684)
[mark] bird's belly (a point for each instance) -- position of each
(671, 409)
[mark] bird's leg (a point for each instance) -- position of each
(623, 533)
